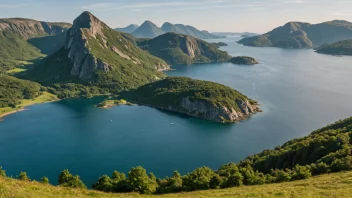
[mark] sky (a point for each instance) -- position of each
(258, 16)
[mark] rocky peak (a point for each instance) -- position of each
(89, 22)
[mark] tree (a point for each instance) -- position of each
(235, 179)
(23, 176)
(104, 183)
(282, 176)
(301, 172)
(66, 179)
(139, 181)
(45, 180)
(216, 181)
(199, 179)
(2, 172)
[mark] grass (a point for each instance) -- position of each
(16, 70)
(329, 185)
(45, 97)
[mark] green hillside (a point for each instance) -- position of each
(24, 41)
(302, 35)
(97, 55)
(182, 49)
(339, 48)
(323, 186)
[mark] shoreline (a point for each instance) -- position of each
(2, 116)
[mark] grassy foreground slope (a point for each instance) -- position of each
(329, 185)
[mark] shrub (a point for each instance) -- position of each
(66, 179)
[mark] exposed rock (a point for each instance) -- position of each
(28, 28)
(208, 111)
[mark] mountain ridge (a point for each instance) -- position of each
(302, 35)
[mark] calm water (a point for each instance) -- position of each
(299, 91)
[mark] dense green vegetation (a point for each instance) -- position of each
(126, 73)
(181, 49)
(170, 91)
(13, 90)
(302, 35)
(15, 49)
(243, 60)
(339, 48)
(324, 151)
(31, 42)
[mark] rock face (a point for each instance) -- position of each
(30, 28)
(84, 63)
(297, 35)
(221, 114)
(182, 49)
(95, 54)
(243, 60)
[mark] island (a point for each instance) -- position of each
(220, 44)
(196, 98)
(107, 104)
(339, 48)
(244, 60)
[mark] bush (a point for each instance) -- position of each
(2, 172)
(23, 176)
(66, 179)
(301, 172)
(199, 179)
(45, 180)
(216, 181)
(139, 181)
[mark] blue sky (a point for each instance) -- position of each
(213, 15)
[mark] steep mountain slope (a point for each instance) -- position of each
(187, 30)
(96, 55)
(182, 49)
(339, 48)
(24, 40)
(302, 35)
(147, 30)
(128, 29)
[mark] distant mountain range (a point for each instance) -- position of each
(150, 30)
(242, 34)
(302, 35)
(128, 29)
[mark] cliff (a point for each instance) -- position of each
(95, 54)
(299, 35)
(201, 99)
(182, 49)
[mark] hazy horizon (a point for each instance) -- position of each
(212, 15)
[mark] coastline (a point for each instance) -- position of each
(44, 98)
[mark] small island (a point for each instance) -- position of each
(341, 48)
(220, 44)
(244, 60)
(107, 104)
(196, 98)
